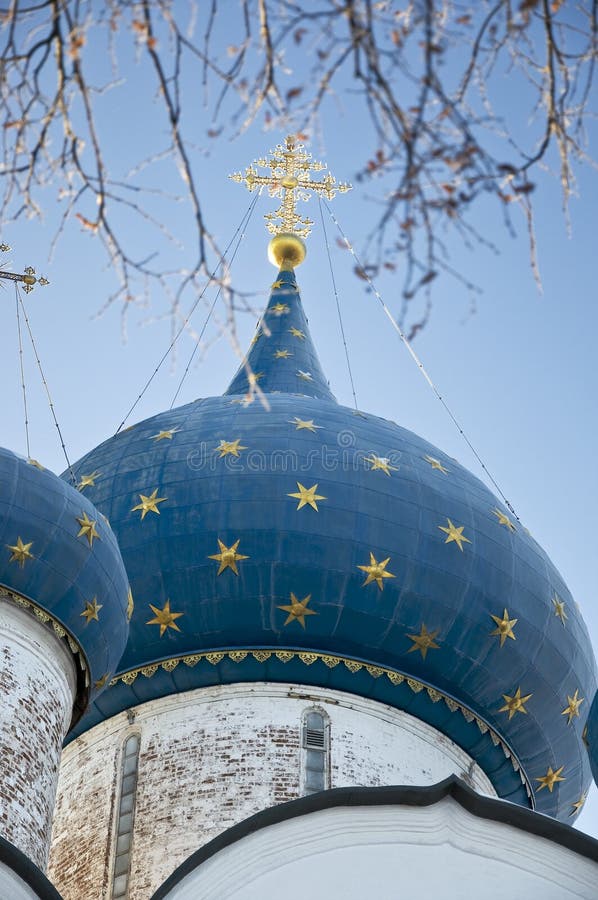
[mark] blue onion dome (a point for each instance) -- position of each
(592, 737)
(60, 559)
(273, 535)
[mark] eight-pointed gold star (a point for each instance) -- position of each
(149, 504)
(304, 424)
(297, 610)
(280, 309)
(455, 533)
(382, 463)
(91, 610)
(88, 480)
(504, 626)
(515, 704)
(88, 528)
(307, 496)
(282, 354)
(230, 448)
(228, 557)
(277, 284)
(559, 609)
(575, 807)
(572, 708)
(165, 435)
(376, 571)
(20, 552)
(435, 463)
(503, 519)
(551, 778)
(296, 332)
(165, 618)
(423, 641)
(304, 376)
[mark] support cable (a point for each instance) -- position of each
(419, 363)
(192, 310)
(338, 306)
(23, 388)
(244, 223)
(45, 384)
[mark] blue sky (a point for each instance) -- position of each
(519, 372)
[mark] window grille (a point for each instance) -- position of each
(316, 739)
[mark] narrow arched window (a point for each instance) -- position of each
(315, 752)
(125, 817)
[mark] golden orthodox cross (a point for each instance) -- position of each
(28, 277)
(290, 179)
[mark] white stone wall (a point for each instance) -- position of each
(212, 757)
(392, 853)
(37, 687)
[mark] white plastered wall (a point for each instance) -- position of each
(392, 853)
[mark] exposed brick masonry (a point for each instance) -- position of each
(37, 683)
(212, 757)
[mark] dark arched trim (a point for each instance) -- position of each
(21, 865)
(477, 804)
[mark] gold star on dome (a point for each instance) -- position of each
(88, 528)
(435, 463)
(165, 435)
(307, 496)
(230, 448)
(515, 704)
(455, 533)
(304, 424)
(423, 641)
(282, 354)
(304, 376)
(254, 377)
(376, 571)
(228, 557)
(504, 627)
(279, 309)
(165, 618)
(91, 610)
(99, 684)
(503, 519)
(149, 504)
(551, 778)
(297, 610)
(296, 332)
(575, 807)
(20, 552)
(88, 480)
(130, 605)
(256, 337)
(34, 462)
(572, 708)
(382, 463)
(559, 609)
(277, 284)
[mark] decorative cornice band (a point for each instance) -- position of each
(308, 658)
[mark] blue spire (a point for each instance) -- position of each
(282, 357)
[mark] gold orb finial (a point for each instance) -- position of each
(286, 251)
(290, 180)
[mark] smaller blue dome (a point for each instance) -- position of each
(59, 556)
(592, 738)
